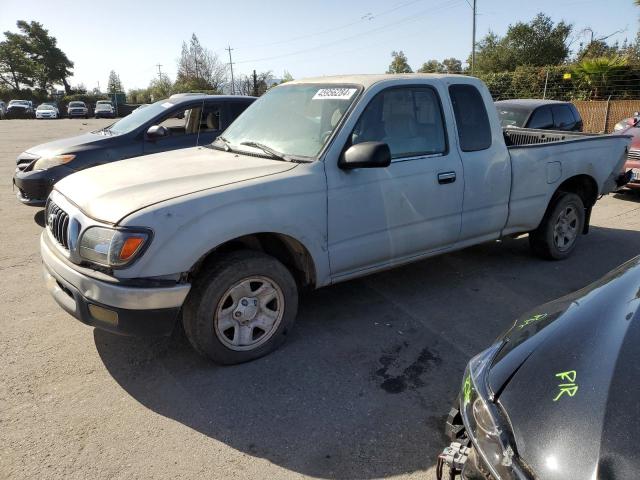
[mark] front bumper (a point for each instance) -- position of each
(77, 114)
(18, 113)
(110, 304)
(104, 115)
(33, 187)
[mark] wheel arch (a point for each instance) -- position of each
(586, 187)
(288, 250)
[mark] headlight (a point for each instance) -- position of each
(111, 247)
(48, 162)
(485, 421)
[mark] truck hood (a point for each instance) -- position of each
(112, 191)
(589, 339)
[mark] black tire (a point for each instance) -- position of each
(545, 241)
(212, 287)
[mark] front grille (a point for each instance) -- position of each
(633, 155)
(57, 223)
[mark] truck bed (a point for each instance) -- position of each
(542, 159)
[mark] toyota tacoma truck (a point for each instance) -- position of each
(319, 181)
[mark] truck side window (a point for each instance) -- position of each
(409, 120)
(474, 131)
(541, 118)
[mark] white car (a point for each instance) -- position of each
(47, 111)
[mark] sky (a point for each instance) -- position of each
(304, 38)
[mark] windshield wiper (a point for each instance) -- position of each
(274, 153)
(226, 143)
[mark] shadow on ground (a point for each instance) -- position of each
(362, 387)
(39, 218)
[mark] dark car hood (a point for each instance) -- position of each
(594, 332)
(23, 107)
(86, 141)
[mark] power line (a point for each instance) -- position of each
(364, 18)
(233, 87)
(443, 6)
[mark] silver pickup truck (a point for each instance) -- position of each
(319, 181)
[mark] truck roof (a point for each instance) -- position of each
(367, 80)
(528, 102)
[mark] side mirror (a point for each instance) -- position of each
(157, 131)
(366, 155)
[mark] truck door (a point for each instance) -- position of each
(387, 215)
(486, 161)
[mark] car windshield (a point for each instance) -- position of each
(511, 116)
(294, 120)
(76, 104)
(18, 102)
(45, 107)
(103, 106)
(140, 116)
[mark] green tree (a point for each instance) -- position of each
(537, 43)
(286, 77)
(399, 63)
(16, 67)
(51, 64)
(160, 88)
(452, 65)
(199, 68)
(432, 66)
(114, 84)
(597, 74)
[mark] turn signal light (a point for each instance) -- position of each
(130, 247)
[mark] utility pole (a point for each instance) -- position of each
(159, 71)
(255, 84)
(473, 39)
(233, 87)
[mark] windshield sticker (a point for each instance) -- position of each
(569, 387)
(531, 320)
(167, 105)
(334, 94)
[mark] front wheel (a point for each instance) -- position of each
(242, 308)
(557, 235)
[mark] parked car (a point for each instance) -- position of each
(77, 109)
(539, 114)
(317, 182)
(165, 125)
(20, 109)
(555, 397)
(3, 109)
(104, 109)
(633, 156)
(46, 110)
(627, 122)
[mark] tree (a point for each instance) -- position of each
(16, 67)
(199, 68)
(287, 77)
(399, 63)
(598, 73)
(160, 87)
(432, 66)
(256, 84)
(51, 63)
(452, 65)
(537, 43)
(114, 84)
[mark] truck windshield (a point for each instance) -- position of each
(293, 120)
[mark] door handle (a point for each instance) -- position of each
(446, 177)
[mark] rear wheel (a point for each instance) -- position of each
(242, 308)
(561, 226)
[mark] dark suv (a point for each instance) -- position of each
(184, 120)
(541, 114)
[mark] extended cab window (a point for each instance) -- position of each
(409, 120)
(541, 118)
(562, 117)
(474, 131)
